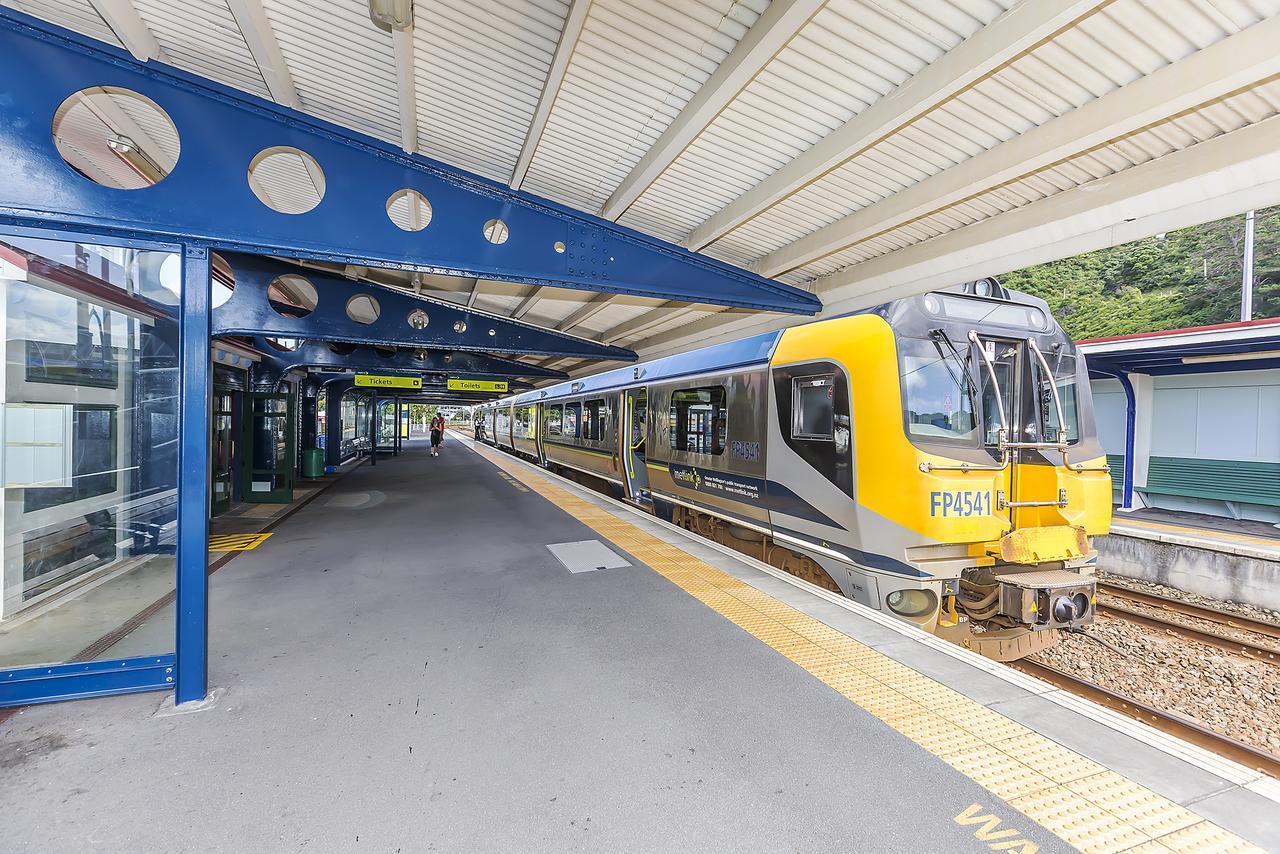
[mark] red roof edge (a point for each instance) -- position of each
(1238, 324)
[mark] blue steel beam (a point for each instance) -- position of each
(249, 312)
(207, 196)
(319, 354)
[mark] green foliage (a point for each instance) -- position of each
(1190, 277)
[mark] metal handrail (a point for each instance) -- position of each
(1062, 444)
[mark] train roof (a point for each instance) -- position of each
(732, 354)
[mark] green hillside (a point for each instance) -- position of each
(1189, 277)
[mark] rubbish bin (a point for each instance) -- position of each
(313, 463)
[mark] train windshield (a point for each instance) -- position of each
(938, 390)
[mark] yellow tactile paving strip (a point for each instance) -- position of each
(1203, 533)
(236, 542)
(1080, 801)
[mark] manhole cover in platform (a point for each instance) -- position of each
(587, 556)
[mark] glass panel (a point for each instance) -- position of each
(698, 422)
(936, 391)
(813, 407)
(90, 434)
(1064, 377)
(270, 441)
(572, 415)
(553, 420)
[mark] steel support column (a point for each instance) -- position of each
(1130, 427)
(333, 392)
(194, 392)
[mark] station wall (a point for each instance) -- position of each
(1213, 444)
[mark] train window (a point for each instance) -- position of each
(813, 407)
(1064, 377)
(698, 420)
(593, 419)
(572, 420)
(936, 390)
(554, 415)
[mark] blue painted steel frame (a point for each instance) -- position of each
(195, 390)
(85, 679)
(207, 198)
(249, 312)
(433, 363)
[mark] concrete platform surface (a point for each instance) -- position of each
(404, 666)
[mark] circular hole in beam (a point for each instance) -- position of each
(409, 210)
(116, 137)
(286, 179)
(558, 246)
(292, 296)
(496, 232)
(459, 326)
(418, 319)
(363, 309)
(222, 282)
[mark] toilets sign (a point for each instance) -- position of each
(477, 385)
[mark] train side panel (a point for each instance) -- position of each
(707, 443)
(580, 433)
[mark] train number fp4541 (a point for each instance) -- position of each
(959, 503)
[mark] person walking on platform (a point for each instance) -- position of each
(437, 434)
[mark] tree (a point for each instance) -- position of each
(1189, 277)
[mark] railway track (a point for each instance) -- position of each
(1170, 722)
(1264, 646)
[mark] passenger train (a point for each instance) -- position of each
(933, 457)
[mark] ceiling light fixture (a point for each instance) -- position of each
(121, 144)
(391, 15)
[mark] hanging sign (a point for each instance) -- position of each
(476, 385)
(388, 382)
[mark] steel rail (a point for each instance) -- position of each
(1228, 643)
(1204, 612)
(1169, 722)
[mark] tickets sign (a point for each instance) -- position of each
(388, 382)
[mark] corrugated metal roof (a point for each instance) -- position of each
(638, 68)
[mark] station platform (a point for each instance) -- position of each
(1234, 560)
(405, 665)
(1242, 537)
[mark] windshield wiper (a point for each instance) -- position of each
(969, 384)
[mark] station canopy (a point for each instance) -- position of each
(860, 149)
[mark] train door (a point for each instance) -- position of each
(540, 427)
(633, 428)
(268, 442)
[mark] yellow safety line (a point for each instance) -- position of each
(236, 542)
(1202, 533)
(1084, 803)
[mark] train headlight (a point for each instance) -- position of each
(1080, 602)
(911, 603)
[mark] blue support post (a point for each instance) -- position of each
(195, 377)
(1130, 427)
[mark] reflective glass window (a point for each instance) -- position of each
(698, 420)
(89, 465)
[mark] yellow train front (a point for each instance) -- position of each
(935, 457)
(978, 477)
